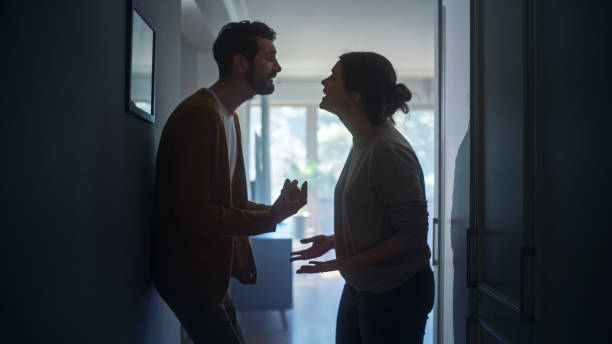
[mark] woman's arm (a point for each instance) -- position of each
(321, 244)
(391, 247)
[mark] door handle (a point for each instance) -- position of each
(472, 257)
(527, 299)
(434, 256)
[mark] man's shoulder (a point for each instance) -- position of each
(201, 100)
(199, 107)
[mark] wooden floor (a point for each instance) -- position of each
(312, 319)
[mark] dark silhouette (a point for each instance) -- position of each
(203, 215)
(380, 211)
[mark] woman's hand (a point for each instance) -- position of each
(320, 245)
(317, 267)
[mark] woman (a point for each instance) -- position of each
(380, 212)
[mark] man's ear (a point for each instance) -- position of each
(240, 63)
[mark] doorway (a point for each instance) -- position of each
(311, 144)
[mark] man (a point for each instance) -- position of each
(203, 215)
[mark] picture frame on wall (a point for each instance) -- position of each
(141, 65)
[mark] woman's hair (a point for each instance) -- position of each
(373, 76)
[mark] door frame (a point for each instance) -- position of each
(438, 227)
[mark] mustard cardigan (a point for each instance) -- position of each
(202, 220)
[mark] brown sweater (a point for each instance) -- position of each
(203, 219)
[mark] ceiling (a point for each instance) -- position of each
(311, 34)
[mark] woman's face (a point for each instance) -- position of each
(336, 98)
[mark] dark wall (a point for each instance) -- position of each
(76, 180)
(575, 174)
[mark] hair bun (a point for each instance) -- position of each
(396, 99)
(402, 92)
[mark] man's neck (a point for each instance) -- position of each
(232, 93)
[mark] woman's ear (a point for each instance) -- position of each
(240, 63)
(356, 97)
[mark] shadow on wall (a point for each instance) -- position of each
(460, 213)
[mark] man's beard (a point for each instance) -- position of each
(259, 85)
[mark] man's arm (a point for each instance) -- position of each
(196, 152)
(258, 206)
(294, 195)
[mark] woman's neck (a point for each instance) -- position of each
(358, 125)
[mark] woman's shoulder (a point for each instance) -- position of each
(393, 151)
(392, 142)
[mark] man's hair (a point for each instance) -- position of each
(239, 38)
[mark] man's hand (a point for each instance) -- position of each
(318, 267)
(320, 245)
(290, 200)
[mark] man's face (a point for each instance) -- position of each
(263, 68)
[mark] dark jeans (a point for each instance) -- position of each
(396, 316)
(209, 322)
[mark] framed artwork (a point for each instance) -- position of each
(141, 66)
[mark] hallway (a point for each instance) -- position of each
(312, 319)
(308, 321)
(522, 93)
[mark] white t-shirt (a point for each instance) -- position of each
(230, 133)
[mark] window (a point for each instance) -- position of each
(308, 143)
(291, 155)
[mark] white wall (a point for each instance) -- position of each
(198, 69)
(189, 67)
(207, 70)
(455, 121)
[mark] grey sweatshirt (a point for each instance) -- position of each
(380, 192)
